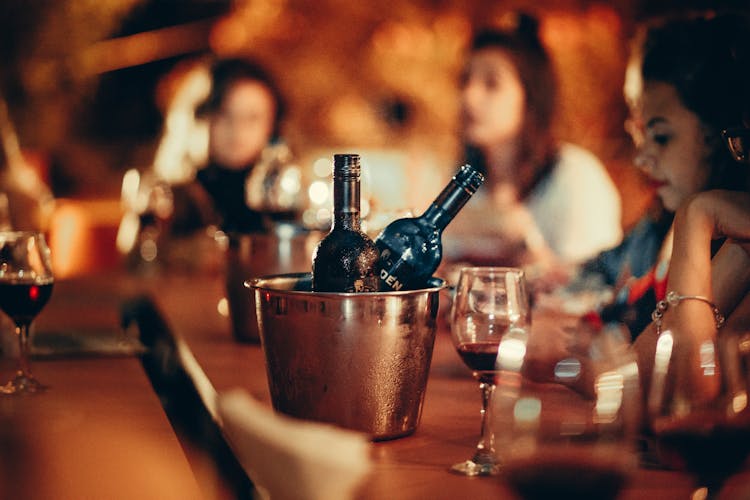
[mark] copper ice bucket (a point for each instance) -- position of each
(356, 360)
(285, 250)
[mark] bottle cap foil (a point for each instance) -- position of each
(346, 165)
(469, 177)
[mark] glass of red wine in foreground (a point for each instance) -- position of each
(698, 404)
(569, 432)
(25, 287)
(488, 302)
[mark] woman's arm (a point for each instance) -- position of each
(708, 216)
(724, 280)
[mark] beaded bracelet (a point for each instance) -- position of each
(673, 298)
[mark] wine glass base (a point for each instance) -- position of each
(471, 468)
(22, 384)
(700, 494)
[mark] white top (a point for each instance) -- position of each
(577, 207)
(574, 212)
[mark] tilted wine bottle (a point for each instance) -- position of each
(411, 248)
(345, 260)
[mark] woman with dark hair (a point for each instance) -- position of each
(543, 201)
(244, 111)
(692, 84)
(711, 254)
(219, 160)
(686, 89)
(226, 74)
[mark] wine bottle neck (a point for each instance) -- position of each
(445, 207)
(346, 203)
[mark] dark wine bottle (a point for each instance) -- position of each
(345, 260)
(411, 249)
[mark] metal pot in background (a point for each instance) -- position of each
(286, 249)
(358, 360)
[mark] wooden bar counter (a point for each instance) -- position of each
(414, 467)
(100, 430)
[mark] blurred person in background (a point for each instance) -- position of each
(243, 110)
(26, 202)
(221, 163)
(544, 202)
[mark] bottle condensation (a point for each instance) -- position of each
(411, 248)
(345, 259)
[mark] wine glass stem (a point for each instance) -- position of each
(24, 368)
(486, 446)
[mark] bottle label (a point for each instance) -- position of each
(390, 270)
(390, 280)
(410, 249)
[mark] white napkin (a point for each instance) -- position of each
(290, 459)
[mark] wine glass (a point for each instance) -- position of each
(25, 287)
(489, 301)
(572, 435)
(148, 203)
(698, 405)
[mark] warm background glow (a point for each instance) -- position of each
(88, 82)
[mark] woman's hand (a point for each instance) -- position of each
(726, 214)
(552, 338)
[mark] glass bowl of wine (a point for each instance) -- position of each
(572, 436)
(491, 304)
(25, 287)
(698, 405)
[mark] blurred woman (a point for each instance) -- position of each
(220, 164)
(543, 201)
(244, 111)
(26, 202)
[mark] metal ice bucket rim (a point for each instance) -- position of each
(266, 283)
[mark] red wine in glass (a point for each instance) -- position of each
(22, 300)
(488, 302)
(567, 474)
(698, 405)
(707, 445)
(561, 443)
(25, 287)
(480, 357)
